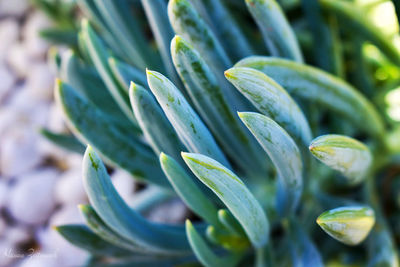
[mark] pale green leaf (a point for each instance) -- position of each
(187, 124)
(278, 35)
(318, 86)
(234, 194)
(349, 225)
(345, 154)
(285, 155)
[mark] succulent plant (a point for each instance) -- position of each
(222, 108)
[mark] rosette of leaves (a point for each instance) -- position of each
(222, 108)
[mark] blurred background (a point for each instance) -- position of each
(40, 184)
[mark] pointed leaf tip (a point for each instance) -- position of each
(349, 225)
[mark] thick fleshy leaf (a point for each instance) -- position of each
(302, 249)
(189, 192)
(285, 155)
(349, 225)
(85, 79)
(125, 73)
(203, 252)
(187, 23)
(125, 27)
(226, 27)
(235, 195)
(66, 141)
(153, 122)
(227, 219)
(96, 224)
(272, 100)
(81, 236)
(318, 86)
(345, 154)
(157, 15)
(187, 124)
(358, 22)
(278, 35)
(91, 126)
(99, 56)
(206, 94)
(121, 218)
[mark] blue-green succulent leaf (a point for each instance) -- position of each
(155, 126)
(99, 56)
(157, 15)
(206, 94)
(187, 124)
(121, 218)
(125, 73)
(96, 224)
(203, 252)
(344, 154)
(187, 23)
(87, 81)
(318, 86)
(81, 236)
(125, 27)
(234, 194)
(90, 125)
(272, 100)
(302, 249)
(285, 155)
(278, 35)
(66, 141)
(349, 225)
(189, 192)
(227, 220)
(226, 28)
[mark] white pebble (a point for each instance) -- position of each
(13, 7)
(4, 189)
(69, 189)
(66, 215)
(18, 152)
(168, 212)
(40, 82)
(7, 81)
(18, 60)
(123, 183)
(8, 35)
(37, 46)
(32, 199)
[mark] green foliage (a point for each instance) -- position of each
(236, 93)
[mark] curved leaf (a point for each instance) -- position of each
(272, 100)
(187, 23)
(357, 22)
(153, 122)
(121, 218)
(318, 86)
(91, 126)
(278, 35)
(125, 73)
(157, 15)
(349, 225)
(344, 154)
(99, 56)
(189, 192)
(66, 141)
(81, 236)
(101, 229)
(203, 252)
(207, 96)
(187, 124)
(285, 155)
(235, 195)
